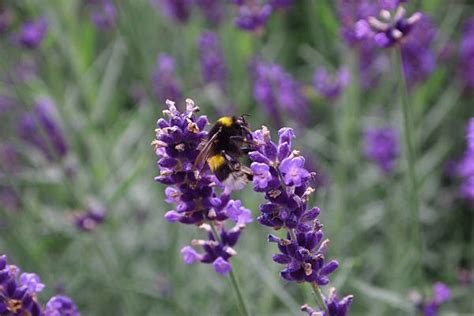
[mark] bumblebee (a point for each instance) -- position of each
(226, 143)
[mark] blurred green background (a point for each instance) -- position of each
(130, 264)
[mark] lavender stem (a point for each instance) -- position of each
(233, 279)
(413, 196)
(319, 297)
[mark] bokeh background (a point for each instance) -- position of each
(83, 83)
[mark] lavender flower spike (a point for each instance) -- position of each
(61, 305)
(18, 294)
(32, 33)
(328, 86)
(335, 307)
(286, 186)
(163, 80)
(212, 61)
(388, 30)
(382, 146)
(194, 194)
(466, 54)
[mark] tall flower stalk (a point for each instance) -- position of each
(280, 175)
(198, 197)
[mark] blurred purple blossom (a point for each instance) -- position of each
(389, 29)
(278, 92)
(466, 54)
(252, 15)
(103, 14)
(42, 130)
(196, 198)
(32, 33)
(381, 144)
(61, 305)
(164, 82)
(431, 306)
(213, 10)
(89, 219)
(213, 69)
(419, 60)
(329, 86)
(465, 168)
(179, 10)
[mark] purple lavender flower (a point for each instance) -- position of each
(9, 199)
(431, 306)
(18, 293)
(61, 305)
(350, 12)
(466, 54)
(103, 14)
(465, 168)
(252, 15)
(41, 129)
(328, 86)
(382, 146)
(390, 4)
(278, 92)
(389, 30)
(213, 10)
(287, 189)
(197, 201)
(164, 82)
(179, 10)
(32, 33)
(93, 216)
(212, 61)
(419, 60)
(334, 306)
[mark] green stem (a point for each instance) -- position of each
(319, 297)
(233, 280)
(411, 177)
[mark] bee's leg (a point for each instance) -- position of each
(234, 164)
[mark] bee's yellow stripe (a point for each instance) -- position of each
(215, 162)
(225, 120)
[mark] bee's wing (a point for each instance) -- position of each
(205, 152)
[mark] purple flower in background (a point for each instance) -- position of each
(9, 199)
(388, 30)
(32, 33)
(212, 61)
(335, 306)
(18, 293)
(381, 145)
(390, 4)
(351, 11)
(466, 54)
(465, 168)
(252, 15)
(103, 14)
(419, 60)
(5, 20)
(61, 305)
(41, 129)
(278, 92)
(213, 10)
(164, 82)
(93, 216)
(328, 86)
(179, 10)
(431, 306)
(194, 194)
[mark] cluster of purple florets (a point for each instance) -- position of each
(253, 14)
(280, 174)
(195, 193)
(18, 294)
(430, 306)
(102, 13)
(382, 145)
